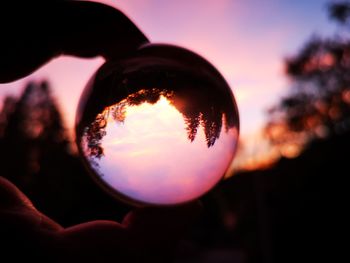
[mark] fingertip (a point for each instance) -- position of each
(91, 29)
(188, 210)
(11, 196)
(170, 222)
(18, 210)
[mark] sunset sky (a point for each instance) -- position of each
(152, 145)
(246, 40)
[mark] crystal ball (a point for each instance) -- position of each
(158, 127)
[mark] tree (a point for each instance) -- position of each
(318, 105)
(34, 144)
(30, 125)
(200, 103)
(36, 156)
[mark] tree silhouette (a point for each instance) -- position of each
(196, 107)
(340, 12)
(36, 155)
(318, 104)
(33, 143)
(29, 126)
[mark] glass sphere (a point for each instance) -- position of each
(158, 127)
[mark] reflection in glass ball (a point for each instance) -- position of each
(159, 127)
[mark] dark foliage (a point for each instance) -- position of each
(318, 105)
(37, 156)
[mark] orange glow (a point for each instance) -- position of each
(346, 96)
(290, 150)
(276, 131)
(313, 121)
(334, 112)
(327, 61)
(319, 62)
(264, 154)
(321, 131)
(321, 106)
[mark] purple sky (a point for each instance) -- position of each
(149, 157)
(246, 41)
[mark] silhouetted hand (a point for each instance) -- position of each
(31, 34)
(145, 235)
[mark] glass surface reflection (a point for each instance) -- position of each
(159, 134)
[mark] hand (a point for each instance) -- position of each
(32, 32)
(81, 29)
(145, 235)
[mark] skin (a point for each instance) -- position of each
(82, 29)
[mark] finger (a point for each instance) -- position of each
(18, 212)
(101, 241)
(95, 241)
(24, 229)
(100, 231)
(91, 29)
(45, 30)
(162, 225)
(146, 233)
(11, 197)
(156, 231)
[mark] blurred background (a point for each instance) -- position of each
(288, 65)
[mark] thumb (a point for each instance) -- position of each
(11, 197)
(17, 211)
(45, 29)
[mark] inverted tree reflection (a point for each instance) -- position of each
(196, 107)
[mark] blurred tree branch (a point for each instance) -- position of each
(318, 104)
